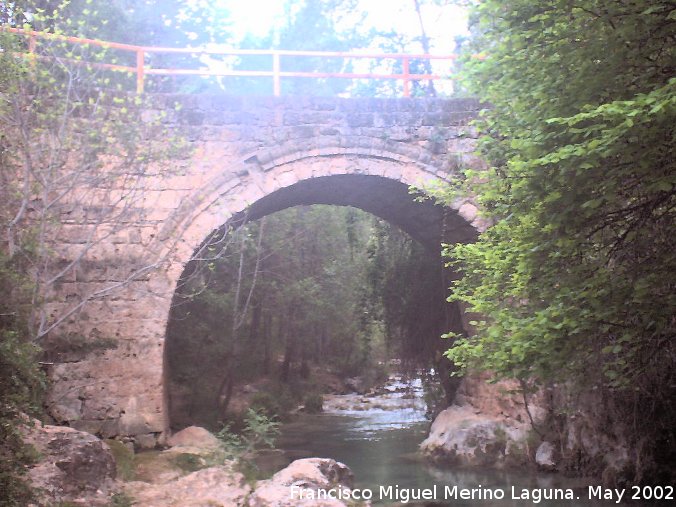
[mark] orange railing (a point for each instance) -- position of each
(142, 69)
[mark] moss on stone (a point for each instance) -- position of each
(189, 462)
(125, 462)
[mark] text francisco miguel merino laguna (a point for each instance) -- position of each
(405, 495)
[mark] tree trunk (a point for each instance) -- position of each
(267, 327)
(224, 391)
(425, 41)
(285, 369)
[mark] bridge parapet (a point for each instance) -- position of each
(134, 61)
(257, 122)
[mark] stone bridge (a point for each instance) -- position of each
(250, 157)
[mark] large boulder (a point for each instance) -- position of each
(499, 399)
(594, 443)
(74, 466)
(221, 486)
(461, 435)
(544, 456)
(217, 486)
(194, 436)
(306, 474)
(489, 425)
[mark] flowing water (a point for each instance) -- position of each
(378, 436)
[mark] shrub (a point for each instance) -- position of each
(273, 404)
(314, 403)
(259, 431)
(21, 384)
(121, 500)
(189, 462)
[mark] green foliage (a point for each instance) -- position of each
(259, 432)
(121, 500)
(232, 443)
(64, 127)
(274, 403)
(125, 463)
(168, 23)
(575, 281)
(405, 293)
(189, 462)
(21, 383)
(68, 126)
(577, 271)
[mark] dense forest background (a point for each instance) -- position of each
(575, 282)
(302, 292)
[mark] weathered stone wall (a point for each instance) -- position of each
(262, 153)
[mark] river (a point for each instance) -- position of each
(378, 436)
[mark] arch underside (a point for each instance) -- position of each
(386, 198)
(375, 184)
(381, 196)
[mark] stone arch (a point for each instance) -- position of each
(376, 181)
(228, 194)
(256, 151)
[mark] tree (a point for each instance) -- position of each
(174, 24)
(168, 23)
(71, 147)
(325, 288)
(404, 292)
(308, 26)
(336, 26)
(271, 305)
(575, 280)
(70, 152)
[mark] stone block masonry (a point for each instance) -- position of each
(247, 156)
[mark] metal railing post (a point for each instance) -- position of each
(32, 50)
(140, 67)
(32, 41)
(407, 82)
(276, 78)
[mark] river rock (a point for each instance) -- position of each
(460, 435)
(217, 486)
(74, 466)
(488, 425)
(544, 456)
(310, 473)
(355, 384)
(194, 436)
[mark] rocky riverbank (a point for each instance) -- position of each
(489, 426)
(486, 426)
(79, 469)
